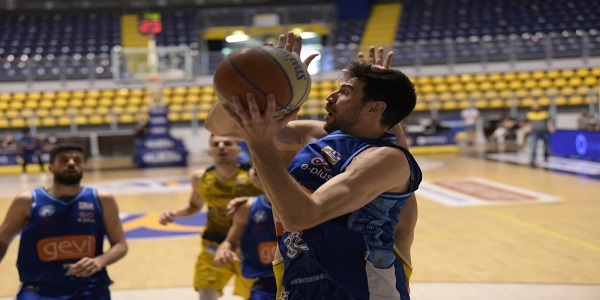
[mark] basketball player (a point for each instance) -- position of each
(216, 186)
(30, 150)
(360, 200)
(253, 232)
(62, 233)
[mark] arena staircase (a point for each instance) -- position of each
(380, 29)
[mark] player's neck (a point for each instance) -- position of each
(58, 189)
(225, 171)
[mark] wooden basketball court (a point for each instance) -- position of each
(486, 230)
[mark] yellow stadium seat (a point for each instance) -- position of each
(95, 119)
(207, 98)
(87, 111)
(495, 77)
(34, 96)
(137, 92)
(123, 92)
(175, 107)
(576, 100)
(126, 118)
(75, 103)
(117, 110)
(61, 103)
(4, 123)
(491, 94)
(582, 72)
(536, 93)
(92, 93)
(545, 83)
(208, 89)
(530, 84)
(568, 73)
(179, 91)
(192, 99)
(105, 102)
(496, 103)
(521, 93)
(466, 78)
(17, 123)
(523, 76)
(509, 76)
(481, 77)
(464, 104)
(174, 116)
(107, 93)
(64, 120)
(449, 105)
(31, 104)
(185, 116)
(590, 81)
(456, 87)
(207, 107)
(41, 112)
(120, 101)
(19, 96)
(57, 111)
(560, 82)
(567, 91)
(515, 85)
(472, 86)
(441, 87)
(177, 99)
(16, 105)
(445, 97)
(484, 86)
(553, 74)
(202, 116)
(26, 113)
(461, 96)
(81, 120)
(595, 72)
(500, 85)
(526, 102)
(48, 121)
(537, 75)
(544, 101)
(194, 90)
(134, 100)
(560, 100)
(90, 102)
(49, 95)
(131, 109)
(65, 95)
(452, 79)
(47, 103)
(584, 90)
(575, 82)
(3, 105)
(5, 97)
(481, 104)
(438, 79)
(78, 94)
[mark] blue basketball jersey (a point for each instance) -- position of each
(57, 234)
(354, 251)
(259, 242)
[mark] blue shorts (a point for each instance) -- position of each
(34, 293)
(264, 288)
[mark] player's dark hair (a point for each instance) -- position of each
(390, 86)
(64, 148)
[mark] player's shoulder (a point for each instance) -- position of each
(26, 196)
(196, 175)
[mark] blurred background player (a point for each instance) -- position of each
(541, 125)
(30, 149)
(216, 186)
(253, 233)
(62, 233)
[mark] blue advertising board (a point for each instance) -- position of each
(436, 139)
(8, 158)
(158, 148)
(576, 144)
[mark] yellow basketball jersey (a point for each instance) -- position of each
(217, 193)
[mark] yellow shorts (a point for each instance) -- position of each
(407, 267)
(208, 276)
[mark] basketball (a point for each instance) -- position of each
(263, 70)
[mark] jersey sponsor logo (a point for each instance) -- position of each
(294, 244)
(266, 252)
(318, 167)
(47, 210)
(86, 206)
(331, 155)
(259, 217)
(86, 217)
(66, 247)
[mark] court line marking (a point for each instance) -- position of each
(540, 229)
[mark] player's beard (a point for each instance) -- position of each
(342, 121)
(68, 178)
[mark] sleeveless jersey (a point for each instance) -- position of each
(366, 233)
(58, 234)
(217, 193)
(259, 242)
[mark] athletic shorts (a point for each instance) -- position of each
(208, 276)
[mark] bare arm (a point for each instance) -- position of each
(358, 185)
(88, 266)
(404, 232)
(226, 252)
(193, 206)
(14, 221)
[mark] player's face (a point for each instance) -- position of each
(68, 167)
(223, 149)
(344, 106)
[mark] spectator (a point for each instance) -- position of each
(470, 115)
(507, 129)
(541, 126)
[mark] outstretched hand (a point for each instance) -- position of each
(377, 59)
(254, 126)
(293, 43)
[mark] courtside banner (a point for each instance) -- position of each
(158, 148)
(8, 158)
(576, 144)
(436, 139)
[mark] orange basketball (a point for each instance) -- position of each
(263, 70)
